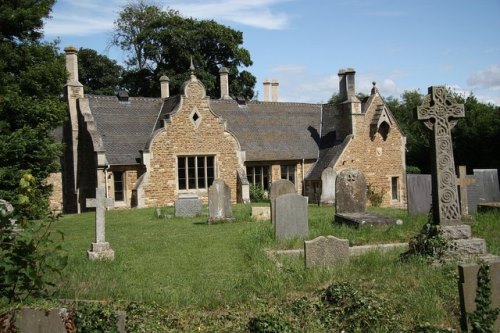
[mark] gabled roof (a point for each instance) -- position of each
(125, 127)
(271, 130)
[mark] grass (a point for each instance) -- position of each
(195, 268)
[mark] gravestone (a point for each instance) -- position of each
(278, 188)
(219, 202)
(100, 249)
(487, 184)
(261, 213)
(467, 286)
(350, 202)
(291, 216)
(419, 194)
(440, 114)
(463, 182)
(325, 251)
(187, 205)
(328, 177)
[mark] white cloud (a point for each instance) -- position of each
(488, 78)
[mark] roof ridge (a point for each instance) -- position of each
(110, 97)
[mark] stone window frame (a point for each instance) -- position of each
(289, 170)
(192, 177)
(395, 188)
(262, 182)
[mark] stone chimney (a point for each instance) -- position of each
(274, 91)
(351, 86)
(267, 88)
(165, 86)
(224, 83)
(72, 63)
(342, 85)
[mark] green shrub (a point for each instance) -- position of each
(95, 317)
(268, 323)
(257, 194)
(412, 169)
(374, 197)
(483, 318)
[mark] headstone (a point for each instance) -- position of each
(350, 192)
(100, 249)
(325, 251)
(467, 290)
(419, 194)
(440, 114)
(278, 188)
(261, 213)
(328, 177)
(291, 216)
(187, 205)
(219, 202)
(464, 181)
(42, 321)
(487, 185)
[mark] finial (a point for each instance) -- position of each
(374, 89)
(191, 67)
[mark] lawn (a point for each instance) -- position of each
(196, 269)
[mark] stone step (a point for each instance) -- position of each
(462, 231)
(471, 246)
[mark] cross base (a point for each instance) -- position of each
(100, 251)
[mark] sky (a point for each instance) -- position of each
(400, 45)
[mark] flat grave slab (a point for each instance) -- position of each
(363, 219)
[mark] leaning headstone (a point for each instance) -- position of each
(328, 177)
(278, 188)
(325, 251)
(350, 192)
(187, 205)
(219, 202)
(419, 194)
(100, 249)
(291, 217)
(467, 289)
(440, 114)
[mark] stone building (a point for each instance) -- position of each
(148, 151)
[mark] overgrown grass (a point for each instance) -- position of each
(196, 269)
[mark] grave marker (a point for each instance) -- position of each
(100, 249)
(440, 114)
(219, 202)
(328, 177)
(187, 205)
(291, 216)
(278, 188)
(462, 182)
(325, 251)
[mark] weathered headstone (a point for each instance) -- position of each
(328, 177)
(278, 188)
(291, 216)
(261, 213)
(100, 249)
(487, 183)
(350, 201)
(440, 114)
(325, 251)
(350, 192)
(467, 286)
(187, 205)
(419, 194)
(219, 202)
(463, 181)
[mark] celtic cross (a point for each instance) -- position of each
(440, 114)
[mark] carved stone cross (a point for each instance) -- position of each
(463, 181)
(100, 249)
(439, 113)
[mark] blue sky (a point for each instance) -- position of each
(402, 45)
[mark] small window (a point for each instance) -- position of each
(395, 188)
(118, 184)
(259, 175)
(195, 172)
(288, 172)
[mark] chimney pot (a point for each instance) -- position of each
(267, 88)
(224, 83)
(164, 86)
(274, 90)
(72, 63)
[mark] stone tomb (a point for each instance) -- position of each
(467, 286)
(350, 201)
(328, 177)
(100, 249)
(219, 202)
(188, 205)
(325, 251)
(278, 188)
(291, 217)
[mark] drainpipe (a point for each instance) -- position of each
(303, 177)
(106, 180)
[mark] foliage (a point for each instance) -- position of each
(374, 197)
(95, 317)
(257, 193)
(482, 320)
(411, 169)
(29, 252)
(268, 323)
(98, 74)
(428, 243)
(32, 75)
(163, 42)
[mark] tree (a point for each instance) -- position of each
(98, 74)
(32, 75)
(163, 42)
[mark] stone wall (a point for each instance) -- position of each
(377, 158)
(56, 197)
(185, 134)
